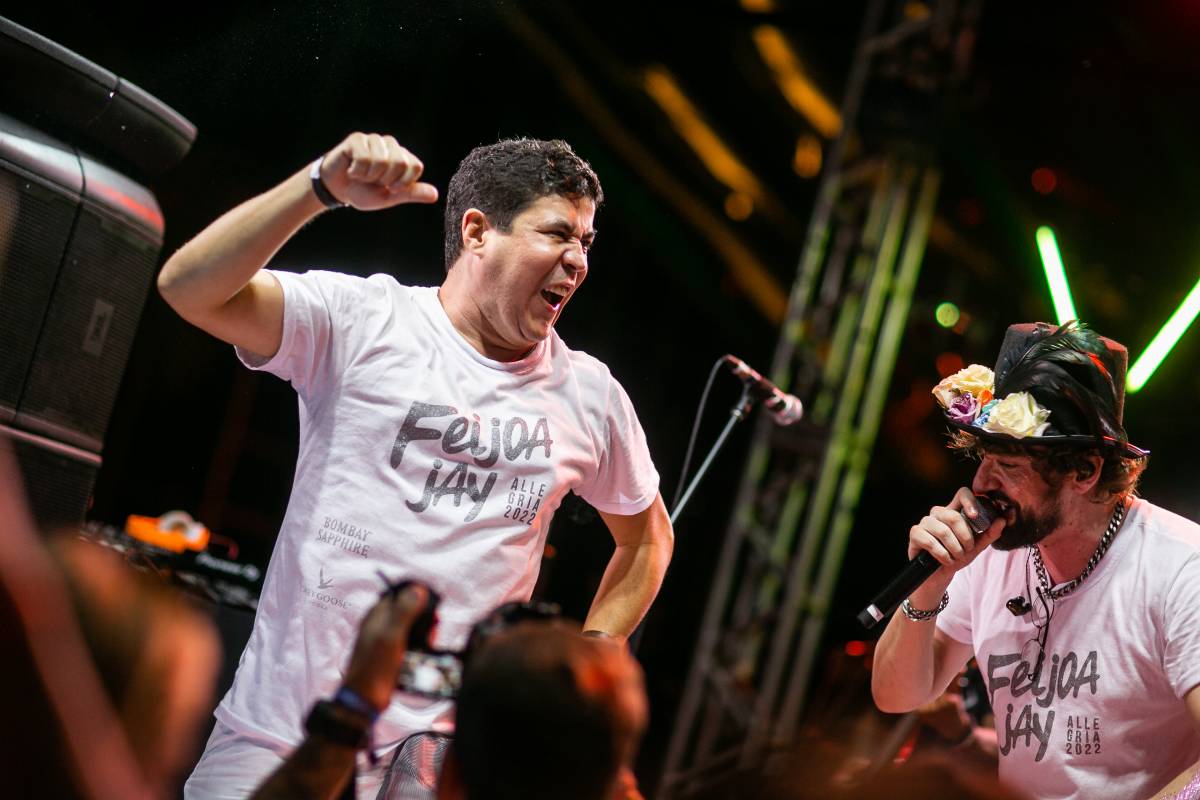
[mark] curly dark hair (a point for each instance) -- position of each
(1119, 474)
(504, 178)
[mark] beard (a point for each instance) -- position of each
(1029, 527)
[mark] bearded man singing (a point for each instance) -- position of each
(1081, 601)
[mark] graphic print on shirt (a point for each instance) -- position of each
(474, 479)
(322, 595)
(345, 536)
(1032, 725)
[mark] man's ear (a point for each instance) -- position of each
(474, 228)
(1088, 475)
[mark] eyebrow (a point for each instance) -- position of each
(562, 224)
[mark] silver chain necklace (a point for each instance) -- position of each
(1114, 525)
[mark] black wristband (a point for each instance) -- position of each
(320, 189)
(331, 721)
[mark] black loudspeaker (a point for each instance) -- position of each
(37, 211)
(65, 94)
(58, 478)
(79, 244)
(83, 242)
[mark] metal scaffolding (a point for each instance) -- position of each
(746, 690)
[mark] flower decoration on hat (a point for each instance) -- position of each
(1051, 386)
(966, 397)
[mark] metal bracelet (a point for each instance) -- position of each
(917, 615)
(1189, 792)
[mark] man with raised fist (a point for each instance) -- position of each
(440, 427)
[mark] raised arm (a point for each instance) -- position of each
(215, 280)
(914, 661)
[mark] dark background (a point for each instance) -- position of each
(1103, 94)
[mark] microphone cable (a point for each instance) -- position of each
(687, 459)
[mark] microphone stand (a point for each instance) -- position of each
(739, 412)
(736, 414)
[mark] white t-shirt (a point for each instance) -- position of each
(422, 459)
(1107, 718)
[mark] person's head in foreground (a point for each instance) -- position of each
(157, 655)
(544, 712)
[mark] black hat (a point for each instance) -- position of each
(1051, 386)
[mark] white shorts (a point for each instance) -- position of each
(234, 764)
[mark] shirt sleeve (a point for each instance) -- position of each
(955, 620)
(1181, 628)
(318, 329)
(625, 480)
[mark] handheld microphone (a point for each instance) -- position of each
(918, 570)
(785, 409)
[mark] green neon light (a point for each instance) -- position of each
(1056, 276)
(1160, 346)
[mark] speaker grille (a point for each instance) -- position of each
(89, 329)
(35, 223)
(58, 479)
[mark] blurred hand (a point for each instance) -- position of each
(371, 171)
(627, 786)
(947, 715)
(382, 640)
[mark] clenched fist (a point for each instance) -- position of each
(370, 171)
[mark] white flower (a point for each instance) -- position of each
(1018, 415)
(975, 380)
(944, 394)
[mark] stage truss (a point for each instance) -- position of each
(745, 693)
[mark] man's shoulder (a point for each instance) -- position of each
(1165, 529)
(587, 367)
(343, 289)
(378, 281)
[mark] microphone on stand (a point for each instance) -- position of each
(784, 408)
(918, 570)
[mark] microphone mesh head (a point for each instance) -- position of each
(786, 409)
(987, 513)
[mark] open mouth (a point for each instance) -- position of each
(1005, 508)
(554, 300)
